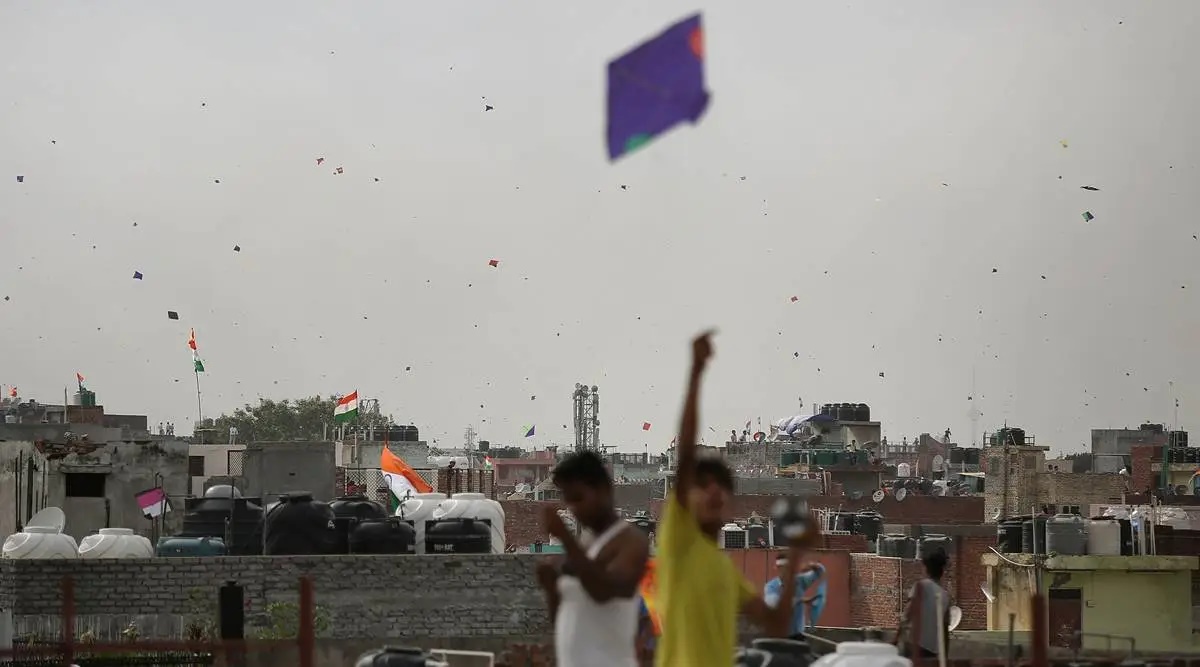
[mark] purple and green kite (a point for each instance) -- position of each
(656, 86)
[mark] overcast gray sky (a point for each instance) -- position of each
(875, 159)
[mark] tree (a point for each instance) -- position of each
(309, 418)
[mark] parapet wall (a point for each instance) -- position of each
(365, 596)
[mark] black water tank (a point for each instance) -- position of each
(458, 536)
(1008, 536)
(348, 512)
(299, 526)
(863, 412)
(1028, 527)
(829, 410)
(869, 524)
(932, 543)
(224, 509)
(906, 547)
(845, 412)
(403, 433)
(390, 535)
(1126, 537)
(971, 457)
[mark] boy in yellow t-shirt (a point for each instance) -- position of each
(701, 591)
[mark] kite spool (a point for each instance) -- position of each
(796, 523)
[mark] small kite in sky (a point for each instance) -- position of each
(656, 86)
(320, 160)
(1088, 187)
(1064, 143)
(645, 426)
(1088, 217)
(795, 299)
(20, 179)
(337, 171)
(137, 275)
(172, 315)
(237, 248)
(494, 263)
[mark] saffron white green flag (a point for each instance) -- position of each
(347, 408)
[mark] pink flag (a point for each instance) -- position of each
(153, 502)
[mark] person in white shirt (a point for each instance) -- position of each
(593, 596)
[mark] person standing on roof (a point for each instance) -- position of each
(928, 606)
(594, 596)
(701, 591)
(809, 599)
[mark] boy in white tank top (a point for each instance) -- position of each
(593, 596)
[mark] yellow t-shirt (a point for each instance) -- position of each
(701, 594)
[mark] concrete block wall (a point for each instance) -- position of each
(366, 596)
(879, 586)
(914, 509)
(1081, 488)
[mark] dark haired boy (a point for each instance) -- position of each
(930, 603)
(593, 598)
(700, 589)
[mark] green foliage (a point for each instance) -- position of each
(283, 621)
(291, 419)
(201, 623)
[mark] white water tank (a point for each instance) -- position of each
(1104, 538)
(115, 543)
(478, 507)
(903, 470)
(42, 538)
(864, 654)
(418, 509)
(732, 536)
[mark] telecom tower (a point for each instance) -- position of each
(587, 417)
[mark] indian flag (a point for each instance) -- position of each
(402, 481)
(346, 408)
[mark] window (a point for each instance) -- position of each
(195, 466)
(1070, 509)
(85, 484)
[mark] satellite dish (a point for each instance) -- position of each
(955, 618)
(51, 517)
(1181, 490)
(938, 462)
(901, 494)
(878, 496)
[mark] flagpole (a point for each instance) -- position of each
(199, 405)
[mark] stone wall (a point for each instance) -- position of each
(366, 596)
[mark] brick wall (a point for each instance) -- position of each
(1081, 488)
(914, 509)
(878, 585)
(523, 522)
(1141, 476)
(366, 596)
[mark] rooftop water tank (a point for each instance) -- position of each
(868, 524)
(932, 543)
(389, 535)
(846, 412)
(1104, 537)
(417, 510)
(732, 536)
(115, 543)
(189, 547)
(1008, 536)
(459, 536)
(1033, 535)
(474, 506)
(1066, 535)
(862, 412)
(399, 656)
(863, 654)
(42, 538)
(348, 512)
(299, 526)
(223, 511)
(906, 547)
(903, 470)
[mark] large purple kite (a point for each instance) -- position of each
(656, 86)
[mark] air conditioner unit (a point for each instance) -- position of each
(733, 536)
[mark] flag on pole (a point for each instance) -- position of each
(529, 431)
(79, 379)
(198, 363)
(12, 392)
(487, 463)
(402, 481)
(192, 340)
(153, 502)
(346, 408)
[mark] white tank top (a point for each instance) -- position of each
(592, 634)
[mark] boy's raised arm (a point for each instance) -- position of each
(685, 448)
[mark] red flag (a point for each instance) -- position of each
(79, 378)
(192, 340)
(13, 392)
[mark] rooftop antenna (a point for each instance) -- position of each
(974, 414)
